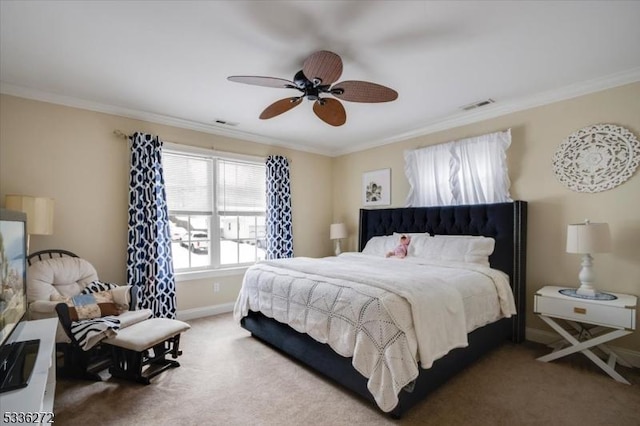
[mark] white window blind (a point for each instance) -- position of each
(188, 183)
(241, 188)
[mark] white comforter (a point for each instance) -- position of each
(387, 314)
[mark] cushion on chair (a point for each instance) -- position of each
(92, 305)
(65, 276)
(122, 295)
(50, 281)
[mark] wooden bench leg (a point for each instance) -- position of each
(79, 364)
(130, 365)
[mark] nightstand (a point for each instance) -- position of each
(610, 319)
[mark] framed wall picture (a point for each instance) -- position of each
(376, 188)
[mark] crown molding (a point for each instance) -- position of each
(38, 95)
(499, 109)
(456, 120)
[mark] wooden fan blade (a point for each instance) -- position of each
(363, 91)
(262, 81)
(330, 111)
(323, 65)
(278, 107)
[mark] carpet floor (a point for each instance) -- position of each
(227, 377)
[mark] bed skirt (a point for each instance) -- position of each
(323, 359)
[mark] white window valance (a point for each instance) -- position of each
(468, 171)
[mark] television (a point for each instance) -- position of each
(17, 358)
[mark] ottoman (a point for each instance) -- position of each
(139, 351)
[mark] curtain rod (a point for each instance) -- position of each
(120, 134)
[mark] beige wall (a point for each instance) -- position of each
(72, 156)
(536, 134)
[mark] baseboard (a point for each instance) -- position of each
(546, 337)
(188, 314)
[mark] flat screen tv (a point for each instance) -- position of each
(17, 357)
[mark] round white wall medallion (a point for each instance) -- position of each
(597, 158)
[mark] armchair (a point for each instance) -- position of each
(136, 351)
(57, 274)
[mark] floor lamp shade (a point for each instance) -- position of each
(39, 212)
(586, 238)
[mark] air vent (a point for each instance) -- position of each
(225, 123)
(477, 104)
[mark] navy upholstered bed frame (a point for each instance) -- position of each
(505, 222)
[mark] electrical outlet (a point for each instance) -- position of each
(216, 287)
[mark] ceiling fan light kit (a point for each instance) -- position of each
(316, 81)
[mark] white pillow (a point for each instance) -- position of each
(456, 248)
(380, 246)
(411, 234)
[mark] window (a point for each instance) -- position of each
(468, 171)
(216, 209)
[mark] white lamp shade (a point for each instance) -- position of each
(338, 231)
(588, 238)
(39, 212)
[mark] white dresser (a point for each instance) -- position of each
(34, 403)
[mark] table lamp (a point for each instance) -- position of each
(586, 238)
(337, 232)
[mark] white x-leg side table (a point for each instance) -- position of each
(611, 319)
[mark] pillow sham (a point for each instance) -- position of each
(412, 234)
(455, 248)
(380, 246)
(88, 306)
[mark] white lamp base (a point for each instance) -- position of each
(587, 277)
(338, 250)
(585, 291)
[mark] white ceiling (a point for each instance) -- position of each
(167, 62)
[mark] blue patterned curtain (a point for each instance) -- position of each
(279, 233)
(149, 262)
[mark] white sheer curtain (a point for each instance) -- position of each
(468, 171)
(428, 172)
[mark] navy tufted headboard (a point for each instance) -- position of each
(505, 222)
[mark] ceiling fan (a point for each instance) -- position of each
(316, 80)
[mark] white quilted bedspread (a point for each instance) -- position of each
(387, 314)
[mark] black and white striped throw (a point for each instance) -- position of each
(96, 286)
(90, 332)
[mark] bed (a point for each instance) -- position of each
(504, 223)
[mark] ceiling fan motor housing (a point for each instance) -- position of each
(311, 89)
